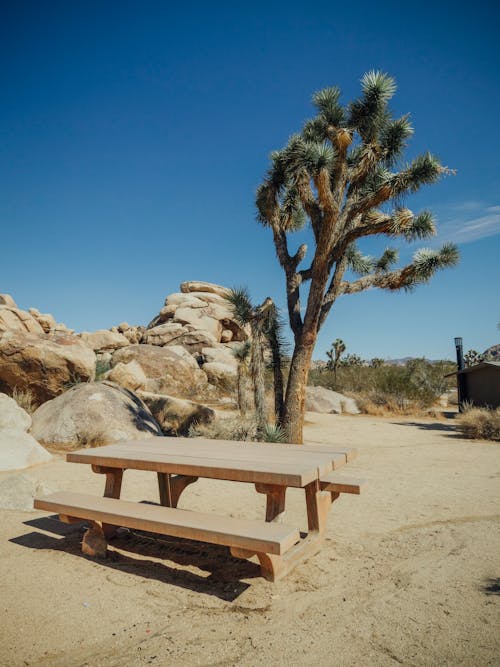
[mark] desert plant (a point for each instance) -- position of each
(338, 173)
(92, 437)
(25, 399)
(274, 433)
(265, 329)
(334, 353)
(480, 423)
(228, 428)
(242, 354)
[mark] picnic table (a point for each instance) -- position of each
(179, 462)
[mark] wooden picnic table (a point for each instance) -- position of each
(179, 462)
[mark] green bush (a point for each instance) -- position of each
(418, 382)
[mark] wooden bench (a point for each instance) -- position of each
(269, 541)
(338, 484)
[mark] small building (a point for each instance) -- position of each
(481, 384)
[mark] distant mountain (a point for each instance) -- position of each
(492, 353)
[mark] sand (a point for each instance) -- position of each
(409, 572)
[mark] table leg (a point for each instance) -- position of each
(275, 501)
(170, 487)
(112, 489)
(318, 503)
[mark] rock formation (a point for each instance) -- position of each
(93, 413)
(18, 449)
(43, 364)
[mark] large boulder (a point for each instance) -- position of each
(18, 490)
(18, 449)
(15, 319)
(167, 371)
(221, 375)
(176, 415)
(200, 286)
(199, 307)
(45, 365)
(222, 355)
(131, 376)
(321, 399)
(93, 413)
(7, 300)
(103, 339)
(198, 319)
(45, 320)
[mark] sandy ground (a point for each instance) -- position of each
(409, 572)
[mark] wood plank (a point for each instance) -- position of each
(240, 452)
(339, 484)
(273, 538)
(284, 474)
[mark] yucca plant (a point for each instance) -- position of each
(342, 174)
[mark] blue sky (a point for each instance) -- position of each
(134, 135)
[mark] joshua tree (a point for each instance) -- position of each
(341, 174)
(334, 353)
(242, 354)
(264, 326)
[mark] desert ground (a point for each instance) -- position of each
(409, 572)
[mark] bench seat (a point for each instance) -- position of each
(250, 535)
(336, 483)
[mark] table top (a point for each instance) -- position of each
(265, 463)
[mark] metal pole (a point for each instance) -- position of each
(461, 388)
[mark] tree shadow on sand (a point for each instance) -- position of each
(450, 430)
(491, 586)
(220, 575)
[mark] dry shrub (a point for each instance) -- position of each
(229, 428)
(24, 399)
(92, 437)
(480, 424)
(385, 405)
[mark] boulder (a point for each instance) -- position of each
(7, 300)
(197, 318)
(44, 364)
(12, 416)
(18, 449)
(176, 415)
(167, 371)
(45, 320)
(198, 286)
(226, 336)
(163, 334)
(93, 413)
(18, 490)
(134, 334)
(321, 399)
(180, 299)
(130, 375)
(123, 326)
(103, 339)
(221, 375)
(15, 319)
(222, 355)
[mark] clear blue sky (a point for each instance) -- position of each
(134, 135)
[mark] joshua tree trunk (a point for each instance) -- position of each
(258, 380)
(242, 382)
(295, 399)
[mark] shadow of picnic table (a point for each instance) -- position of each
(220, 576)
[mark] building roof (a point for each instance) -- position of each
(472, 369)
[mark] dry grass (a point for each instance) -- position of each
(480, 424)
(229, 428)
(24, 399)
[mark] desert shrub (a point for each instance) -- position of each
(24, 399)
(274, 433)
(102, 366)
(92, 437)
(381, 388)
(229, 428)
(480, 424)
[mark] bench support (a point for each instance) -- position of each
(275, 501)
(112, 489)
(170, 487)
